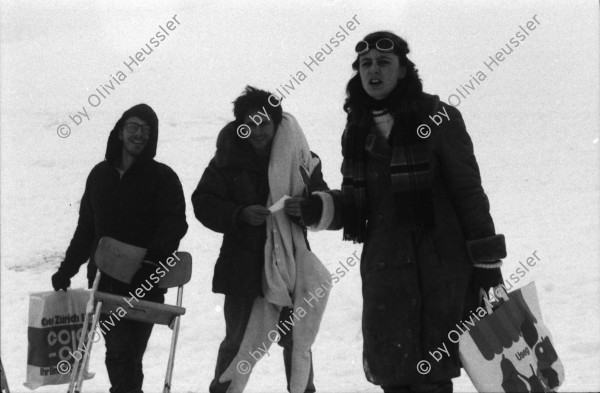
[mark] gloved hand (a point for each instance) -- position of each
(308, 209)
(312, 209)
(486, 278)
(143, 274)
(60, 281)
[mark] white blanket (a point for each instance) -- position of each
(293, 275)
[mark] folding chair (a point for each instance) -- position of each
(178, 274)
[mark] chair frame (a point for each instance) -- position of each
(151, 312)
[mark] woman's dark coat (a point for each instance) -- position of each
(236, 178)
(416, 284)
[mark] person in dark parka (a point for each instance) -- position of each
(230, 199)
(414, 198)
(133, 198)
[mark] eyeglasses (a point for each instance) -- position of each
(384, 45)
(133, 127)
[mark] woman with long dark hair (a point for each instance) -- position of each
(412, 194)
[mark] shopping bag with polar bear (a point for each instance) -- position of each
(509, 349)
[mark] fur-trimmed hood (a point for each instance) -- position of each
(234, 151)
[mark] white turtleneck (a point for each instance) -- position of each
(384, 121)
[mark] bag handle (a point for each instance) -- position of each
(499, 296)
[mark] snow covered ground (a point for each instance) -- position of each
(534, 122)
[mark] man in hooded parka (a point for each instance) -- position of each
(133, 198)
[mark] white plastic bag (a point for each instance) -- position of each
(511, 350)
(55, 323)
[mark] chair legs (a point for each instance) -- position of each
(87, 337)
(175, 326)
(85, 349)
(85, 343)
(171, 363)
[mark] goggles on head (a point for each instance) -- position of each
(384, 45)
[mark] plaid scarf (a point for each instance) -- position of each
(410, 171)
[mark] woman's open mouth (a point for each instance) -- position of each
(374, 82)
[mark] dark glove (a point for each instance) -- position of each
(60, 281)
(311, 209)
(486, 278)
(143, 274)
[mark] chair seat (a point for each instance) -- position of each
(143, 311)
(121, 261)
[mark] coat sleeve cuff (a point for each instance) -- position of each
(327, 213)
(493, 265)
(487, 250)
(67, 271)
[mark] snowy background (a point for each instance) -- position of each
(534, 122)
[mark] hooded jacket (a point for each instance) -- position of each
(236, 178)
(144, 207)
